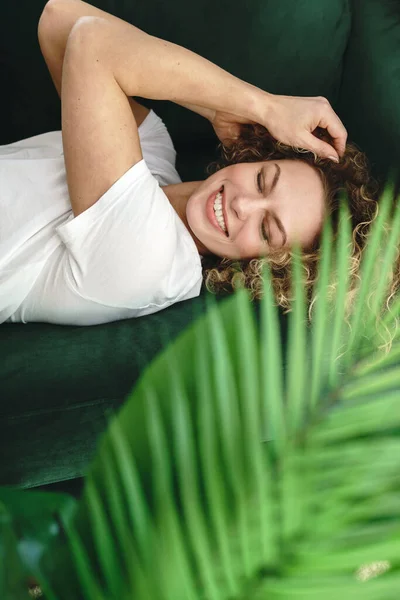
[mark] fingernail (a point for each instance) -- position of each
(336, 160)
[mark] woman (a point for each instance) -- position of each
(99, 226)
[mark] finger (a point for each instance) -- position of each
(321, 149)
(229, 136)
(228, 141)
(336, 130)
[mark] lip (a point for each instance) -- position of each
(211, 214)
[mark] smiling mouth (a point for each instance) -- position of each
(219, 212)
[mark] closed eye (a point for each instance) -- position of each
(261, 189)
(260, 181)
(259, 177)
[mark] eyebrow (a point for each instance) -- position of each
(276, 177)
(277, 221)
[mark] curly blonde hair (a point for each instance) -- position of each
(350, 175)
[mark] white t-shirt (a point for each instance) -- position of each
(128, 255)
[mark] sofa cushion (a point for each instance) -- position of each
(369, 101)
(59, 384)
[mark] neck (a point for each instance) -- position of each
(178, 194)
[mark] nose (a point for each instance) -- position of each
(244, 204)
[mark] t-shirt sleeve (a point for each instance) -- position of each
(158, 149)
(130, 249)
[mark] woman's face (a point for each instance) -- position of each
(265, 206)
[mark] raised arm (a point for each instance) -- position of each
(55, 24)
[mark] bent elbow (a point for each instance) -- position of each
(47, 18)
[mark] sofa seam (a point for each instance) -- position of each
(56, 409)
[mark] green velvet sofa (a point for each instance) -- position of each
(58, 384)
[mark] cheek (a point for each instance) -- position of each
(193, 213)
(316, 230)
(247, 245)
(303, 227)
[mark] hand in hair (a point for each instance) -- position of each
(294, 120)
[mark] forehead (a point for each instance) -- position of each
(302, 197)
(301, 178)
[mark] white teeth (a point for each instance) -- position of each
(218, 211)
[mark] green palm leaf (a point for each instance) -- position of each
(321, 317)
(342, 274)
(368, 275)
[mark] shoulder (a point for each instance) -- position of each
(158, 150)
